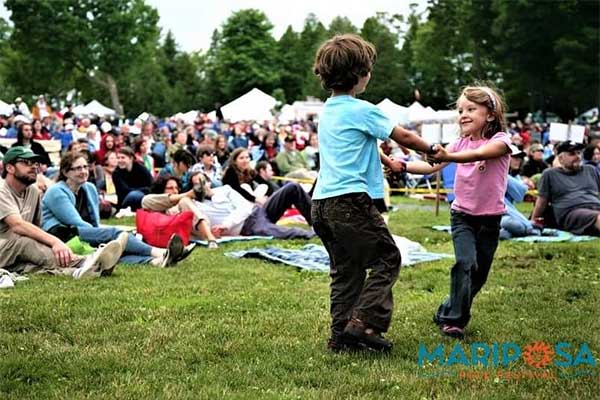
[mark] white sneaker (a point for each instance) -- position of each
(123, 239)
(125, 212)
(103, 259)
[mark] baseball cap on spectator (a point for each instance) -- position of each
(135, 130)
(69, 127)
(289, 138)
(20, 153)
(516, 152)
(210, 133)
(18, 100)
(106, 127)
(21, 118)
(569, 145)
(536, 147)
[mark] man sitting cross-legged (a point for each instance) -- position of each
(24, 246)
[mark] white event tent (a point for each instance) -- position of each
(5, 108)
(419, 114)
(396, 113)
(96, 108)
(255, 105)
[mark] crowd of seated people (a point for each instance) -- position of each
(220, 172)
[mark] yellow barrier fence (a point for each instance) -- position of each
(399, 190)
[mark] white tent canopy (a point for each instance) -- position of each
(287, 114)
(300, 110)
(304, 109)
(415, 112)
(255, 105)
(96, 108)
(419, 114)
(5, 108)
(189, 117)
(79, 110)
(395, 112)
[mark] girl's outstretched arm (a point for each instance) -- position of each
(423, 168)
(493, 149)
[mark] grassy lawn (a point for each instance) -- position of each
(216, 327)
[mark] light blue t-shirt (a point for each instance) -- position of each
(348, 153)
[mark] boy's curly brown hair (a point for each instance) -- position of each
(342, 60)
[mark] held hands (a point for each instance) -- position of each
(63, 254)
(437, 154)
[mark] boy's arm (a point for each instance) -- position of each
(409, 139)
(494, 149)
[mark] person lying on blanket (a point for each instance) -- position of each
(513, 222)
(165, 197)
(230, 214)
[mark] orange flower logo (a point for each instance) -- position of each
(538, 354)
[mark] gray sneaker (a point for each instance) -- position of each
(105, 258)
(174, 251)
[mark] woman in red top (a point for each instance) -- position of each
(39, 131)
(107, 143)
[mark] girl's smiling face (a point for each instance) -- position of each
(472, 117)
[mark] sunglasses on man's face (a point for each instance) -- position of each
(28, 162)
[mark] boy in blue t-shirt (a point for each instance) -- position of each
(343, 212)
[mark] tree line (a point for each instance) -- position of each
(542, 55)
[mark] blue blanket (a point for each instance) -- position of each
(226, 239)
(312, 257)
(548, 235)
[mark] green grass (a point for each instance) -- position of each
(216, 327)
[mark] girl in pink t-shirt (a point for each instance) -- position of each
(483, 155)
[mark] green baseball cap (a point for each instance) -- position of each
(20, 153)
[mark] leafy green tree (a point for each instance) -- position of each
(95, 38)
(291, 64)
(7, 91)
(312, 36)
(169, 62)
(212, 90)
(340, 25)
(453, 48)
(246, 54)
(388, 78)
(535, 44)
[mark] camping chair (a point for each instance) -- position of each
(448, 174)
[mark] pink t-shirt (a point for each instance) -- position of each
(479, 186)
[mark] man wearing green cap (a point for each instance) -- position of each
(24, 246)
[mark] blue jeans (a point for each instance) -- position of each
(136, 252)
(475, 239)
(133, 200)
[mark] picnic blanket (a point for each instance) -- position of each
(226, 239)
(548, 235)
(313, 257)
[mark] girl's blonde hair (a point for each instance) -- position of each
(489, 98)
